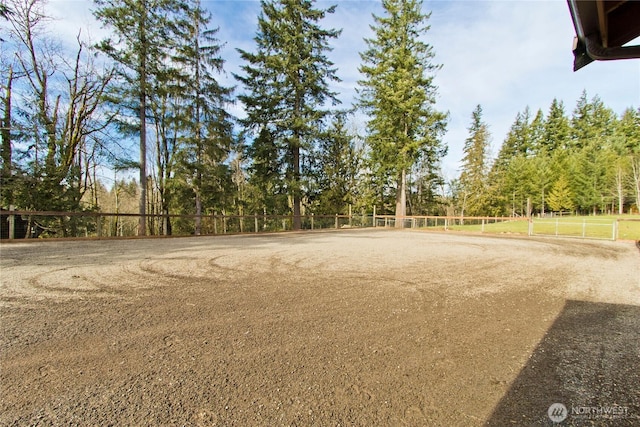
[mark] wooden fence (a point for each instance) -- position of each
(18, 224)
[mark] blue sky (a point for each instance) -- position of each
(503, 55)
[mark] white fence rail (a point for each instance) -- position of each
(604, 229)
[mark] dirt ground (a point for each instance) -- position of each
(343, 328)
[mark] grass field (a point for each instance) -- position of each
(598, 227)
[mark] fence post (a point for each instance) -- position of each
(12, 224)
(311, 220)
(215, 222)
(336, 221)
(99, 226)
(255, 222)
(374, 215)
(224, 222)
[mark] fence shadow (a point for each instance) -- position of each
(589, 360)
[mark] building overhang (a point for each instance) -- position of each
(603, 30)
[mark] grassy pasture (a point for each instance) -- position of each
(516, 227)
(598, 227)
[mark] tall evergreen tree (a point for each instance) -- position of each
(286, 85)
(339, 164)
(473, 177)
(536, 134)
(518, 140)
(542, 177)
(581, 131)
(592, 135)
(399, 95)
(206, 126)
(592, 122)
(143, 38)
(629, 130)
(267, 172)
(556, 128)
(591, 171)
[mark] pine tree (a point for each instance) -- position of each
(560, 198)
(286, 85)
(339, 161)
(592, 122)
(556, 128)
(518, 140)
(473, 178)
(266, 173)
(541, 175)
(510, 171)
(591, 170)
(581, 130)
(536, 134)
(206, 126)
(143, 38)
(629, 130)
(398, 93)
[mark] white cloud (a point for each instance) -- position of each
(510, 55)
(74, 17)
(504, 55)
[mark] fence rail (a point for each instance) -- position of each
(18, 224)
(604, 229)
(30, 224)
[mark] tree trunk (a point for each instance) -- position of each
(198, 225)
(620, 189)
(7, 190)
(142, 74)
(142, 206)
(635, 167)
(401, 199)
(297, 200)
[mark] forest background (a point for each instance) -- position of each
(148, 119)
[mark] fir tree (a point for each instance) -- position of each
(143, 37)
(560, 198)
(339, 161)
(556, 128)
(286, 85)
(473, 178)
(398, 93)
(206, 126)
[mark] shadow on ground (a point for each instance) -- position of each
(589, 360)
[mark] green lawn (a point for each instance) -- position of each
(629, 230)
(593, 227)
(515, 226)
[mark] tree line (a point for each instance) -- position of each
(70, 113)
(587, 163)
